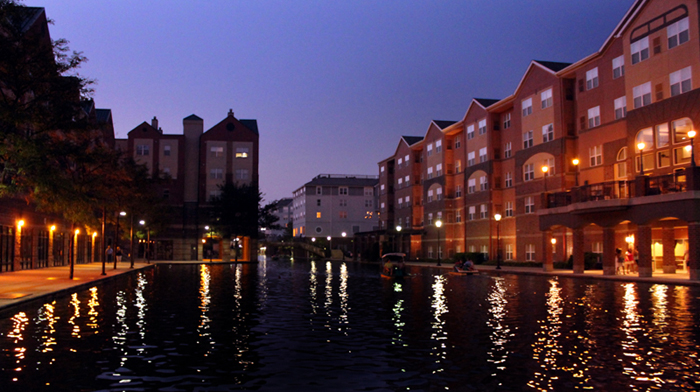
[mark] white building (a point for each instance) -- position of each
(332, 204)
(284, 212)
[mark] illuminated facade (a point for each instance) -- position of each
(560, 158)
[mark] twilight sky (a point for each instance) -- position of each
(333, 84)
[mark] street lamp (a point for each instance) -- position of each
(148, 241)
(131, 237)
(438, 224)
(116, 240)
(554, 244)
(641, 146)
(398, 230)
(691, 135)
(211, 245)
(497, 217)
(330, 247)
(576, 161)
(545, 169)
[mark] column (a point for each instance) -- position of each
(578, 250)
(609, 251)
(694, 250)
(17, 259)
(51, 259)
(668, 240)
(548, 262)
(643, 243)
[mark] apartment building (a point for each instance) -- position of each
(583, 157)
(336, 206)
(197, 163)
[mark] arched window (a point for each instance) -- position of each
(621, 165)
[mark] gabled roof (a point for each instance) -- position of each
(250, 124)
(192, 117)
(549, 66)
(26, 17)
(411, 140)
(104, 115)
(443, 124)
(486, 102)
(553, 65)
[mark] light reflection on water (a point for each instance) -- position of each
(269, 327)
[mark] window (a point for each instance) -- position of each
(408, 199)
(678, 33)
(482, 154)
(438, 146)
(640, 50)
(430, 196)
(663, 158)
(318, 215)
(430, 149)
(509, 251)
(458, 191)
(166, 170)
(681, 81)
(405, 159)
(529, 172)
(430, 252)
(548, 133)
(319, 190)
(527, 139)
(217, 152)
(546, 98)
(430, 172)
(241, 174)
(166, 151)
(343, 190)
(400, 162)
(142, 150)
(344, 202)
(529, 205)
(506, 121)
(438, 169)
(596, 155)
(458, 216)
(471, 185)
(509, 180)
(681, 127)
(621, 107)
(530, 252)
(369, 191)
(642, 95)
(430, 218)
(382, 207)
(483, 214)
(483, 183)
(438, 193)
(507, 150)
(368, 203)
(241, 152)
(318, 202)
(482, 127)
(662, 135)
(621, 165)
(470, 132)
(343, 214)
(592, 78)
(549, 163)
(381, 169)
(527, 107)
(458, 142)
(407, 180)
(618, 65)
(485, 249)
(399, 182)
(471, 158)
(594, 117)
(458, 166)
(509, 208)
(216, 174)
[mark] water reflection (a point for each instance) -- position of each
(204, 302)
(397, 317)
(547, 348)
(343, 293)
(19, 324)
(329, 292)
(141, 305)
(48, 318)
(500, 331)
(439, 334)
(93, 313)
(75, 302)
(313, 287)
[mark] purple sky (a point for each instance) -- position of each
(333, 84)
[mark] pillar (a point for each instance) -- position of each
(51, 260)
(17, 259)
(609, 251)
(578, 250)
(548, 262)
(643, 242)
(668, 240)
(694, 250)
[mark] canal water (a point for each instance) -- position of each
(339, 326)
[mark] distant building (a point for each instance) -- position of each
(197, 163)
(331, 204)
(284, 212)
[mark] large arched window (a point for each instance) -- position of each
(621, 165)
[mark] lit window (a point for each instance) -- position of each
(621, 165)
(546, 98)
(458, 166)
(592, 78)
(678, 33)
(594, 117)
(241, 152)
(681, 81)
(509, 252)
(618, 65)
(596, 155)
(642, 95)
(662, 135)
(217, 151)
(530, 252)
(681, 127)
(318, 215)
(549, 163)
(527, 107)
(640, 50)
(548, 133)
(621, 107)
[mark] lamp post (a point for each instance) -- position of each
(497, 217)
(545, 169)
(691, 135)
(554, 245)
(438, 224)
(211, 245)
(116, 239)
(641, 146)
(330, 247)
(148, 241)
(575, 162)
(398, 230)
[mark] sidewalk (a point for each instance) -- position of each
(680, 278)
(28, 285)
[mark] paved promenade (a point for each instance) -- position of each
(23, 286)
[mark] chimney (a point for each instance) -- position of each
(154, 123)
(230, 112)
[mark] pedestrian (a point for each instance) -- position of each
(619, 261)
(118, 254)
(109, 253)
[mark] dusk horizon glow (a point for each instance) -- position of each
(333, 86)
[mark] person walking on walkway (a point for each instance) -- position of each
(109, 253)
(118, 254)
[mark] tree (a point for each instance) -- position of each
(266, 218)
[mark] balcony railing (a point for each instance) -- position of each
(642, 186)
